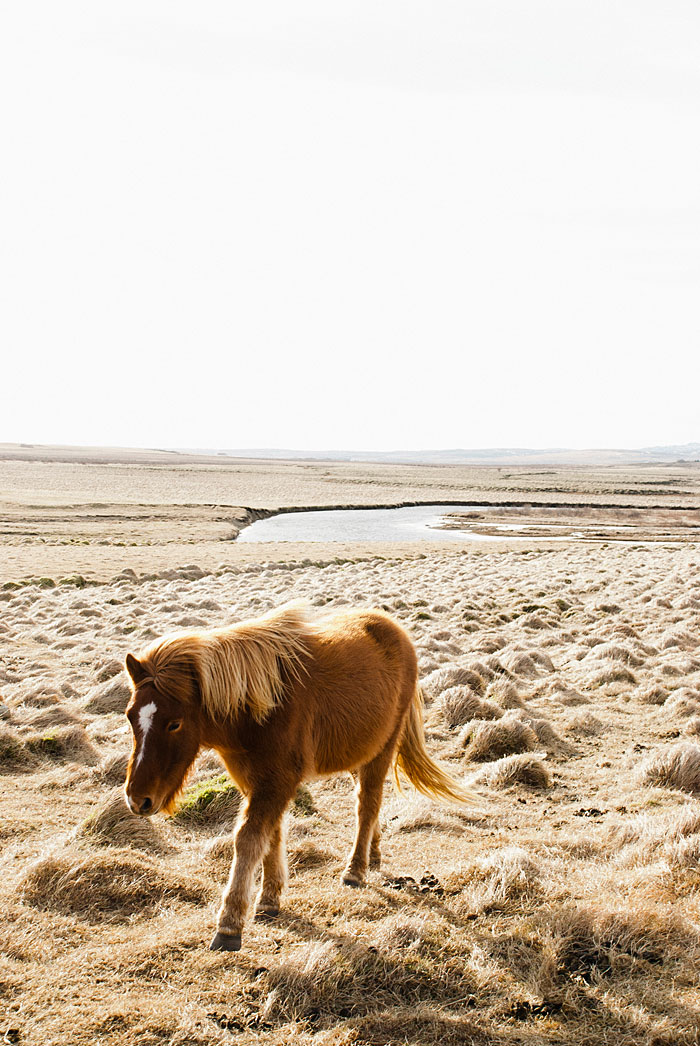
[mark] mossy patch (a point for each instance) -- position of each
(303, 802)
(214, 799)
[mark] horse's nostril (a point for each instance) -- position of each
(145, 806)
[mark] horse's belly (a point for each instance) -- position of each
(354, 740)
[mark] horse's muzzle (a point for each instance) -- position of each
(143, 806)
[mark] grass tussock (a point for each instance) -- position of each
(675, 767)
(504, 694)
(610, 672)
(110, 696)
(653, 695)
(420, 1025)
(528, 664)
(50, 718)
(523, 769)
(452, 675)
(209, 802)
(543, 729)
(306, 855)
(613, 652)
(692, 727)
(344, 977)
(565, 695)
(684, 702)
(219, 852)
(582, 724)
(112, 770)
(13, 754)
(588, 941)
(486, 740)
(105, 887)
(459, 704)
(497, 881)
(647, 836)
(64, 743)
(113, 824)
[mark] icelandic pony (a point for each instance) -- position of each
(282, 699)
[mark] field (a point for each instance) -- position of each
(562, 681)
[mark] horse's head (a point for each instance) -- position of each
(167, 736)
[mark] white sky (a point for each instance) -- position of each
(367, 225)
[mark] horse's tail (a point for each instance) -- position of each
(413, 760)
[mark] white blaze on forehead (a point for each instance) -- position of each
(145, 719)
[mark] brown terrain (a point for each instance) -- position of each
(562, 682)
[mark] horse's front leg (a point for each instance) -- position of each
(274, 877)
(254, 834)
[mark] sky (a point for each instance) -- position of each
(351, 225)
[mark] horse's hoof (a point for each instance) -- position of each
(226, 942)
(352, 880)
(267, 914)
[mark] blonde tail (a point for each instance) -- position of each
(413, 760)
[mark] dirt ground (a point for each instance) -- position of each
(562, 682)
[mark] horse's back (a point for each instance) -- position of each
(361, 679)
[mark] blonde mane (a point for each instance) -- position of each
(238, 667)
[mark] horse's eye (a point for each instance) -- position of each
(174, 725)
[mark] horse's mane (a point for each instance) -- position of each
(242, 666)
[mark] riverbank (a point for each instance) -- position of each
(59, 519)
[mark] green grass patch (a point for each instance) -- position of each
(303, 802)
(215, 799)
(76, 580)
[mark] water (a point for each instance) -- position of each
(415, 523)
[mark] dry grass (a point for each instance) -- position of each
(646, 837)
(514, 770)
(692, 727)
(566, 911)
(110, 696)
(675, 767)
(652, 695)
(498, 881)
(417, 814)
(583, 724)
(504, 694)
(105, 886)
(684, 702)
(63, 743)
(486, 740)
(446, 678)
(112, 770)
(13, 754)
(459, 704)
(113, 824)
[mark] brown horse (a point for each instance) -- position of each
(282, 699)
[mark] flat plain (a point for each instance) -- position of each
(562, 682)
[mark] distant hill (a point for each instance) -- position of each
(555, 456)
(490, 456)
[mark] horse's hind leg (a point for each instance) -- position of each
(274, 876)
(375, 852)
(370, 787)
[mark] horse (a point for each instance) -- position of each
(282, 699)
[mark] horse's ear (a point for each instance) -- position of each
(135, 669)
